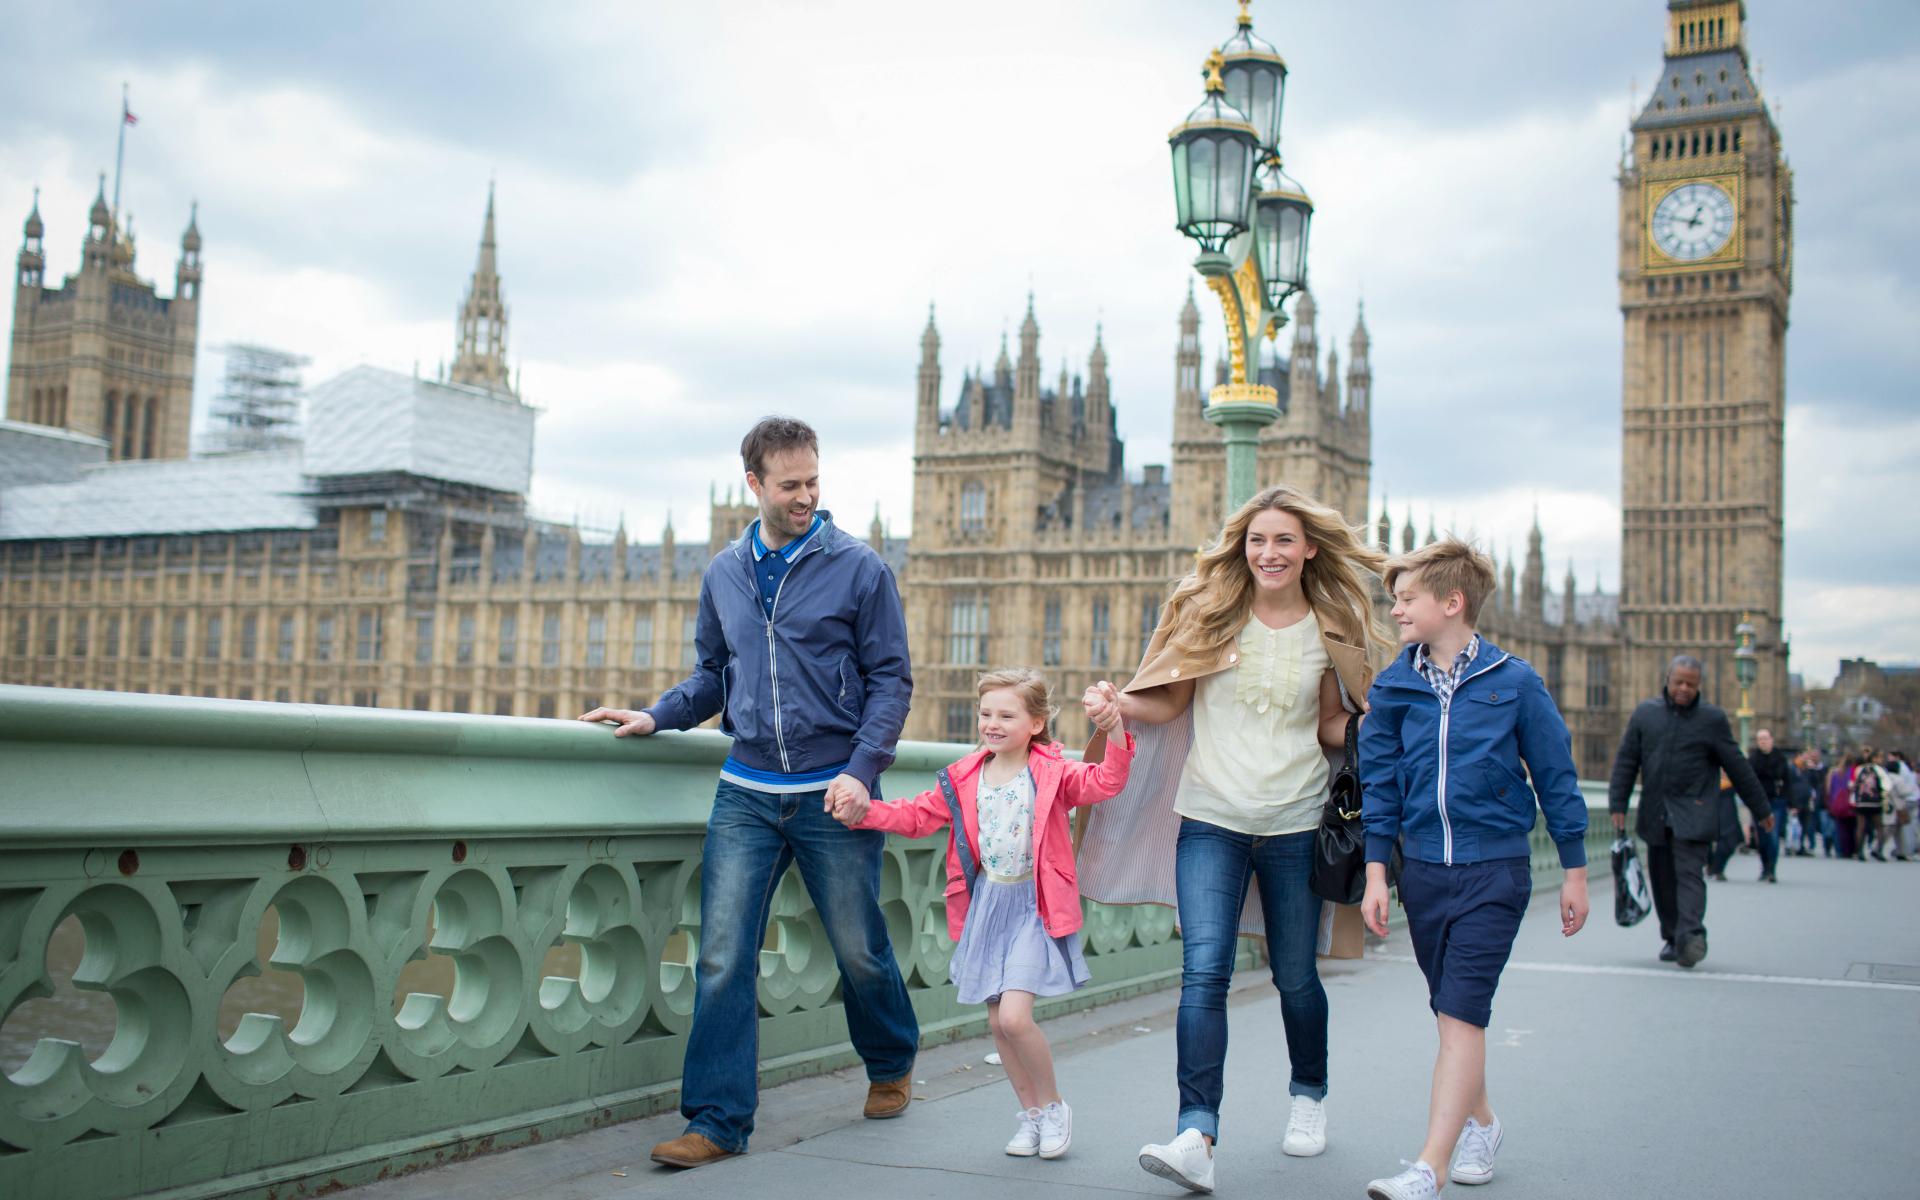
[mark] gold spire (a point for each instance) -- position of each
(1214, 62)
(1246, 17)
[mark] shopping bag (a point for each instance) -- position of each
(1630, 903)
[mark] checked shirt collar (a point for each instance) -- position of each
(1443, 682)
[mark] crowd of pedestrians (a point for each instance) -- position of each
(1865, 805)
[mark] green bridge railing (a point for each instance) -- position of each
(483, 930)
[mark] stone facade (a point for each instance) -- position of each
(104, 354)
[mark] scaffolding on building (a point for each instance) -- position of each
(258, 407)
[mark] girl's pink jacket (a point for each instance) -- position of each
(1058, 785)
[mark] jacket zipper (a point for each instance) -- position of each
(773, 662)
(1446, 711)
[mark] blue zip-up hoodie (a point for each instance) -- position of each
(825, 680)
(1449, 782)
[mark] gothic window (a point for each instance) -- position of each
(422, 702)
(1599, 691)
(1556, 670)
(249, 637)
(323, 641)
(423, 641)
(153, 418)
(211, 643)
(366, 646)
(960, 721)
(377, 527)
(973, 507)
(550, 639)
(143, 644)
(548, 707)
(284, 650)
(643, 640)
(967, 632)
(1149, 617)
(112, 648)
(689, 645)
(509, 637)
(596, 641)
(1050, 640)
(80, 635)
(1102, 619)
(21, 633)
(503, 704)
(177, 638)
(50, 636)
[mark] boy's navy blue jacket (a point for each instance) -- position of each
(1449, 783)
(823, 681)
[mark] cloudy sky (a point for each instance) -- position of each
(708, 212)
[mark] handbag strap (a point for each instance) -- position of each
(1349, 766)
(961, 847)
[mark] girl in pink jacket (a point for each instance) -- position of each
(1013, 897)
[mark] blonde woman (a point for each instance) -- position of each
(1260, 655)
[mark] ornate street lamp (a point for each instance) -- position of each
(1806, 725)
(1744, 670)
(1251, 222)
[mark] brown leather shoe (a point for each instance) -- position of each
(690, 1150)
(889, 1099)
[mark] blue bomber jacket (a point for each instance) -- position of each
(825, 680)
(1452, 781)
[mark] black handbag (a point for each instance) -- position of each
(1340, 844)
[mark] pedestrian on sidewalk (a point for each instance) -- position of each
(1675, 747)
(1013, 900)
(1869, 802)
(1771, 768)
(1244, 691)
(1457, 737)
(801, 649)
(1805, 789)
(1840, 806)
(1903, 797)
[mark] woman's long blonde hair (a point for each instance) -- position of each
(1210, 607)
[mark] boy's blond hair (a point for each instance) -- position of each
(1031, 686)
(1444, 567)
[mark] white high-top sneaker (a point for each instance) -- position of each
(1056, 1129)
(1473, 1153)
(1306, 1128)
(1026, 1139)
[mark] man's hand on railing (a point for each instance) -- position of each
(631, 722)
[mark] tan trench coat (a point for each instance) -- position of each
(1127, 842)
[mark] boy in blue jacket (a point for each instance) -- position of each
(1449, 726)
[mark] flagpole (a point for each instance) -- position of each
(119, 157)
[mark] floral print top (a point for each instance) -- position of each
(1006, 825)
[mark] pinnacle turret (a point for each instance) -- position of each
(480, 357)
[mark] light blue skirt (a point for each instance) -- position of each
(1004, 947)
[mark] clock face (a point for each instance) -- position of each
(1693, 221)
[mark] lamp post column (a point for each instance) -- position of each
(1744, 670)
(1240, 423)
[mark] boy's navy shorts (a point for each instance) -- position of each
(1463, 920)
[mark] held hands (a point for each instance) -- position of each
(847, 800)
(1102, 702)
(631, 723)
(1573, 901)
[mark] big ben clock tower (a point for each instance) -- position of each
(1706, 268)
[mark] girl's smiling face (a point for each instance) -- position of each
(1006, 727)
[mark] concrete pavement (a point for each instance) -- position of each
(1782, 1066)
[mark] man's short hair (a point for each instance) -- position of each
(1685, 662)
(1444, 567)
(770, 436)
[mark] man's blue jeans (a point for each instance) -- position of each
(751, 839)
(1212, 868)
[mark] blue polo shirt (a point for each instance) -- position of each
(771, 566)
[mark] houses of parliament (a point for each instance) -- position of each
(388, 557)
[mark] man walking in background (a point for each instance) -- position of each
(1771, 768)
(1675, 746)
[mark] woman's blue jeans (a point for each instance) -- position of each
(751, 838)
(1212, 869)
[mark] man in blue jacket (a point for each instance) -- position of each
(802, 649)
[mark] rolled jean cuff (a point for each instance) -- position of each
(1312, 1091)
(1201, 1119)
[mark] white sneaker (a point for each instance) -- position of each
(1026, 1139)
(1473, 1153)
(1187, 1160)
(1056, 1129)
(1306, 1128)
(1414, 1183)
